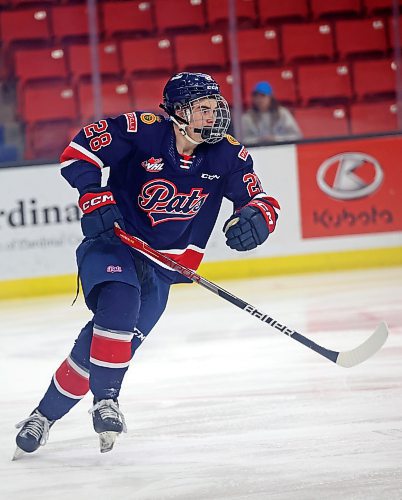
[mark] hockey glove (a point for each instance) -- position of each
(100, 213)
(250, 226)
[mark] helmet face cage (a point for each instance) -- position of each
(202, 110)
(190, 93)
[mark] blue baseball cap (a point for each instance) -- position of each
(263, 88)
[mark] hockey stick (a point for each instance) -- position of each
(346, 359)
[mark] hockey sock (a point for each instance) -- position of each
(70, 382)
(110, 353)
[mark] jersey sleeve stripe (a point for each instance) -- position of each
(67, 163)
(76, 152)
(269, 199)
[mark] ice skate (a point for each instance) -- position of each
(108, 422)
(34, 433)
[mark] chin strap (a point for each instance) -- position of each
(181, 123)
(182, 130)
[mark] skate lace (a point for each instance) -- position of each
(108, 409)
(37, 425)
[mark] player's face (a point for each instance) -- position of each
(203, 114)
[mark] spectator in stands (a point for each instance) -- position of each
(267, 121)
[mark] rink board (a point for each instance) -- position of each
(341, 209)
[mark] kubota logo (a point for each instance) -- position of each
(348, 176)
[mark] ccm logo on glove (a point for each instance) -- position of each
(92, 201)
(267, 211)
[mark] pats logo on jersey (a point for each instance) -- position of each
(162, 201)
(153, 164)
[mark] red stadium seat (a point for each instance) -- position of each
(289, 9)
(360, 36)
(147, 55)
(25, 25)
(325, 8)
(19, 3)
(374, 77)
(38, 64)
(121, 18)
(177, 14)
(200, 51)
(281, 79)
(80, 60)
(378, 6)
(324, 82)
(147, 93)
(48, 102)
(322, 121)
(46, 140)
(373, 117)
(116, 99)
(217, 11)
(224, 80)
(307, 41)
(70, 21)
(258, 45)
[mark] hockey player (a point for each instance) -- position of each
(166, 184)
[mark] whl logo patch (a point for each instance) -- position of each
(153, 164)
(162, 201)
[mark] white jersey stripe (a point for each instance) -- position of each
(262, 195)
(85, 152)
(67, 163)
(107, 364)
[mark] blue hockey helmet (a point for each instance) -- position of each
(183, 88)
(182, 92)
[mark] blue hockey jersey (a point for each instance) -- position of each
(169, 200)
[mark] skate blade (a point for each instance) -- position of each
(106, 440)
(18, 454)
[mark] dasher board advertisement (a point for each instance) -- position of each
(39, 223)
(350, 187)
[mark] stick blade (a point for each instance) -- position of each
(364, 351)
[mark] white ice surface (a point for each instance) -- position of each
(219, 405)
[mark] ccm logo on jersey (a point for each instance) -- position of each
(210, 177)
(153, 164)
(162, 202)
(91, 201)
(243, 154)
(131, 122)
